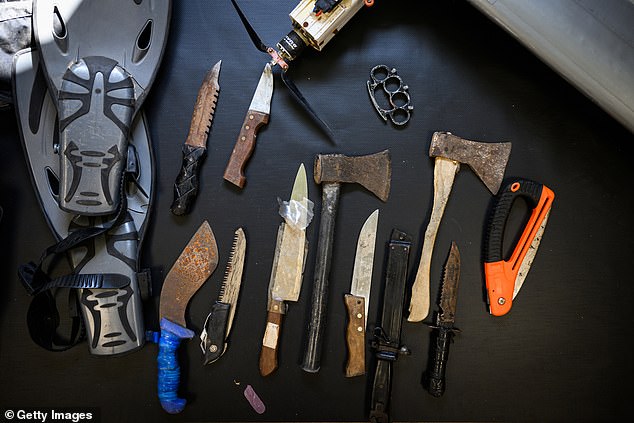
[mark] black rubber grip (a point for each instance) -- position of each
(186, 185)
(516, 188)
(436, 372)
(216, 326)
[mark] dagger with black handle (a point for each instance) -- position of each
(387, 337)
(190, 271)
(435, 377)
(220, 319)
(195, 147)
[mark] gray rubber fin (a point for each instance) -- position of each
(112, 330)
(99, 59)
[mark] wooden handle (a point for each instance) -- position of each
(444, 173)
(244, 147)
(355, 335)
(268, 355)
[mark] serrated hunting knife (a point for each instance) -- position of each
(195, 147)
(192, 268)
(219, 320)
(358, 300)
(257, 116)
(504, 278)
(286, 274)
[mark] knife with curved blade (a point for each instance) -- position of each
(192, 268)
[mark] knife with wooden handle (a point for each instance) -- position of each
(358, 300)
(256, 117)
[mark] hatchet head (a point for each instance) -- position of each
(373, 172)
(488, 160)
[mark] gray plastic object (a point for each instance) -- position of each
(589, 42)
(100, 58)
(111, 329)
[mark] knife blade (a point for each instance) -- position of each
(358, 300)
(192, 268)
(286, 274)
(444, 323)
(219, 321)
(195, 147)
(504, 278)
(257, 116)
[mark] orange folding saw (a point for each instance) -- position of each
(504, 278)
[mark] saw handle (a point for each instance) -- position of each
(500, 274)
(436, 372)
(270, 341)
(187, 181)
(244, 147)
(169, 372)
(355, 335)
(216, 327)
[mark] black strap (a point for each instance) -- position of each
(252, 34)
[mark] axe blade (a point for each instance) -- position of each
(488, 160)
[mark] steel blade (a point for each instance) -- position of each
(449, 290)
(204, 109)
(230, 288)
(192, 268)
(288, 264)
(364, 260)
(530, 256)
(261, 101)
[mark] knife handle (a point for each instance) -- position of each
(169, 372)
(436, 375)
(500, 274)
(215, 328)
(244, 147)
(355, 335)
(381, 389)
(186, 184)
(270, 342)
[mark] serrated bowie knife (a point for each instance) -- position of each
(387, 336)
(444, 330)
(358, 300)
(257, 116)
(504, 278)
(195, 147)
(219, 320)
(286, 275)
(192, 268)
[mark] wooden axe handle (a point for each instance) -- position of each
(444, 173)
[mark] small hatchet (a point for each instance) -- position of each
(488, 161)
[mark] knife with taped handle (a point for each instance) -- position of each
(257, 116)
(358, 300)
(504, 278)
(190, 271)
(287, 272)
(195, 147)
(213, 339)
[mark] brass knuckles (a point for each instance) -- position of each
(399, 99)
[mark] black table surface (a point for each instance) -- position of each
(563, 353)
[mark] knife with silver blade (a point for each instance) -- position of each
(444, 323)
(192, 268)
(287, 272)
(195, 147)
(358, 300)
(257, 116)
(219, 320)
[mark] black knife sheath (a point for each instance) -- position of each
(387, 337)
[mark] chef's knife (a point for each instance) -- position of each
(286, 275)
(219, 321)
(504, 278)
(192, 268)
(444, 323)
(358, 300)
(195, 147)
(257, 115)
